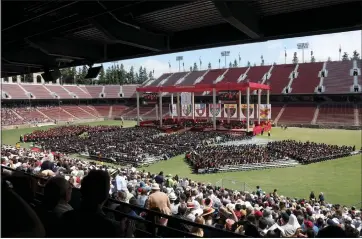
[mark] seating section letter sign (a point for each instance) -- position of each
(200, 110)
(264, 111)
(186, 110)
(174, 110)
(230, 108)
(243, 111)
(215, 109)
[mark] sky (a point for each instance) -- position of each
(323, 46)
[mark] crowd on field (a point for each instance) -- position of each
(131, 145)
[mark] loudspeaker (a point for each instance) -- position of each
(51, 75)
(93, 72)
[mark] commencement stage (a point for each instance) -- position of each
(242, 121)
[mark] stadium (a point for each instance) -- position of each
(268, 150)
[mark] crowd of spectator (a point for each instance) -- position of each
(61, 213)
(8, 117)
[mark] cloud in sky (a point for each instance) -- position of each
(323, 46)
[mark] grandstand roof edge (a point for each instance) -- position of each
(205, 87)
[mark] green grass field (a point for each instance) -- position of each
(340, 180)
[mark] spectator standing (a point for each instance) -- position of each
(158, 199)
(90, 220)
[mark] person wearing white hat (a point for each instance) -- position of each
(158, 199)
(174, 207)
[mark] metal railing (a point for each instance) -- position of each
(214, 232)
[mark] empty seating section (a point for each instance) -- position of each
(14, 91)
(336, 114)
(31, 115)
(90, 110)
(297, 114)
(233, 74)
(256, 73)
(280, 77)
(275, 109)
(79, 92)
(118, 110)
(307, 79)
(94, 91)
(148, 112)
(103, 110)
(158, 80)
(77, 112)
(338, 79)
(59, 91)
(56, 113)
(112, 91)
(212, 75)
(129, 91)
(191, 78)
(174, 78)
(38, 91)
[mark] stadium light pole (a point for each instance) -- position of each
(179, 59)
(302, 46)
(225, 54)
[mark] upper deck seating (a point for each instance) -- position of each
(256, 73)
(173, 79)
(158, 80)
(280, 77)
(14, 91)
(191, 78)
(234, 74)
(212, 75)
(338, 79)
(38, 91)
(59, 91)
(112, 91)
(129, 90)
(307, 79)
(81, 93)
(94, 90)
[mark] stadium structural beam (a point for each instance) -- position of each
(160, 102)
(267, 97)
(193, 104)
(239, 105)
(241, 16)
(131, 35)
(259, 99)
(213, 105)
(138, 108)
(172, 106)
(68, 48)
(247, 108)
(178, 107)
